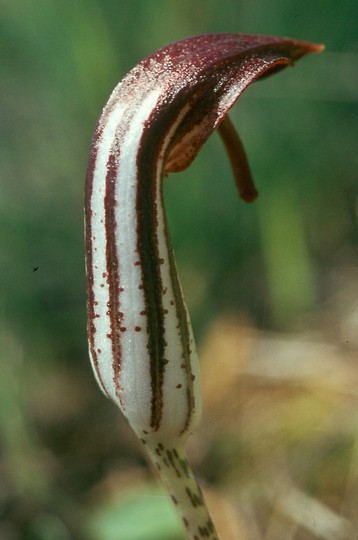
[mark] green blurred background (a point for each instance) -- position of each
(285, 265)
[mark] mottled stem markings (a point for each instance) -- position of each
(140, 337)
(176, 474)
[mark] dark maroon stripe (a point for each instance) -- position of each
(112, 274)
(148, 249)
(148, 252)
(91, 312)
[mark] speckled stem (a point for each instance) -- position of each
(176, 474)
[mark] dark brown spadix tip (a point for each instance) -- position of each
(238, 159)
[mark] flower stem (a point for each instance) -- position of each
(176, 474)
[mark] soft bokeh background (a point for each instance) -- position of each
(271, 287)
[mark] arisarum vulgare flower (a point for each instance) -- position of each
(140, 338)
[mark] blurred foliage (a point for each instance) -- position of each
(287, 263)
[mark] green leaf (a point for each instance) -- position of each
(143, 514)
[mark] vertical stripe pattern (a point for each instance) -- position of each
(156, 120)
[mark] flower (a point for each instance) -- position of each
(155, 122)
